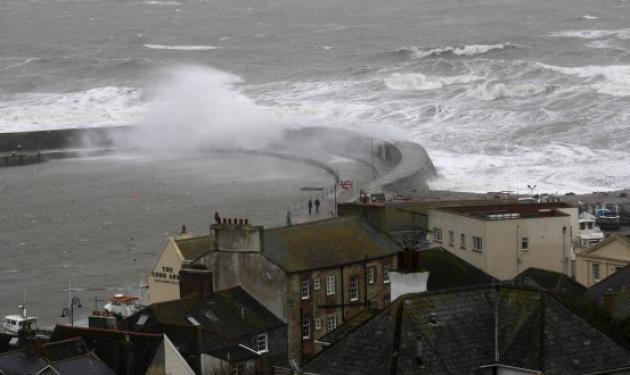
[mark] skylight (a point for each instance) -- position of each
(142, 320)
(192, 321)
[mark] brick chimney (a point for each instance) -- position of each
(195, 283)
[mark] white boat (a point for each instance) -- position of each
(13, 324)
(122, 306)
(589, 233)
(608, 218)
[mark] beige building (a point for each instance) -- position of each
(164, 278)
(504, 240)
(602, 259)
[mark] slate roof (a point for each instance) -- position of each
(325, 244)
(233, 353)
(551, 281)
(348, 326)
(447, 270)
(87, 364)
(229, 313)
(119, 349)
(21, 362)
(64, 349)
(457, 331)
(193, 248)
(619, 284)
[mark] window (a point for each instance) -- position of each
(354, 288)
(590, 225)
(304, 289)
(142, 320)
(306, 326)
(330, 285)
(451, 238)
(262, 343)
(462, 241)
(385, 273)
(318, 324)
(524, 243)
(437, 234)
(238, 369)
(371, 275)
(477, 244)
(316, 285)
(595, 271)
(332, 323)
(582, 226)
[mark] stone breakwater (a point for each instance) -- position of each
(399, 167)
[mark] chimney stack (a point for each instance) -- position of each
(610, 301)
(195, 283)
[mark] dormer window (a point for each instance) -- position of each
(262, 343)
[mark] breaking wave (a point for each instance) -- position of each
(421, 82)
(592, 34)
(494, 91)
(611, 80)
(95, 107)
(589, 17)
(181, 48)
(467, 50)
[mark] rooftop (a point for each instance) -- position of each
(229, 313)
(325, 244)
(551, 281)
(509, 211)
(193, 248)
(459, 331)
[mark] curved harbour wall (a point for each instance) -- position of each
(399, 167)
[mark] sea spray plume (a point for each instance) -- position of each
(198, 108)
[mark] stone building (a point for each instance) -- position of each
(313, 276)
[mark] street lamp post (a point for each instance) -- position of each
(73, 302)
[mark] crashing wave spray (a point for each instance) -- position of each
(197, 108)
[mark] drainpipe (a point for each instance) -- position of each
(365, 281)
(564, 248)
(343, 300)
(518, 260)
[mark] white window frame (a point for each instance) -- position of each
(316, 284)
(451, 238)
(318, 324)
(371, 275)
(305, 289)
(477, 244)
(263, 339)
(239, 369)
(385, 273)
(437, 234)
(524, 243)
(462, 240)
(331, 323)
(306, 326)
(595, 267)
(354, 288)
(331, 285)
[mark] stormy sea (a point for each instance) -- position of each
(502, 93)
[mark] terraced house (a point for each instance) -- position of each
(313, 276)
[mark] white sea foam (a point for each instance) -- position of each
(96, 107)
(494, 91)
(467, 50)
(182, 47)
(592, 34)
(162, 2)
(612, 80)
(589, 17)
(421, 82)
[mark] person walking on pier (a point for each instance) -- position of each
(316, 205)
(310, 206)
